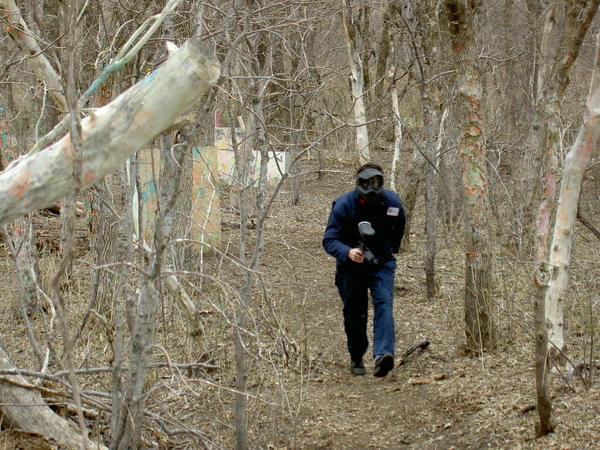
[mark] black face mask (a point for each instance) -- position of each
(370, 189)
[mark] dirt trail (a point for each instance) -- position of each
(303, 395)
(439, 399)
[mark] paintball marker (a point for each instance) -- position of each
(366, 231)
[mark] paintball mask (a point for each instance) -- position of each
(369, 184)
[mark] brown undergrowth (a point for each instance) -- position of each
(301, 394)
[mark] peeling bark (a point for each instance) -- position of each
(551, 82)
(479, 305)
(551, 276)
(562, 240)
(110, 134)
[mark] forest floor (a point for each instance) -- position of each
(302, 394)
(438, 399)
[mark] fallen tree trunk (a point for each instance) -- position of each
(35, 416)
(110, 134)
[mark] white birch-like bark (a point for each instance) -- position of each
(357, 81)
(552, 82)
(110, 134)
(566, 215)
(551, 276)
(20, 33)
(396, 111)
(397, 136)
(553, 78)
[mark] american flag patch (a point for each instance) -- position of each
(393, 211)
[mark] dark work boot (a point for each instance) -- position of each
(357, 367)
(383, 364)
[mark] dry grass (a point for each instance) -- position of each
(301, 392)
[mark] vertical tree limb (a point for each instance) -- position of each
(479, 306)
(357, 81)
(553, 258)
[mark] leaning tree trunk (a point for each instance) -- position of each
(24, 39)
(479, 307)
(561, 254)
(110, 134)
(35, 416)
(358, 97)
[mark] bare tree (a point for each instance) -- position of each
(67, 241)
(553, 89)
(554, 252)
(479, 306)
(557, 43)
(426, 45)
(41, 66)
(351, 19)
(103, 147)
(20, 242)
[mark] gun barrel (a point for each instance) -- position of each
(366, 231)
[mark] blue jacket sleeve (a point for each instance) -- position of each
(334, 234)
(399, 229)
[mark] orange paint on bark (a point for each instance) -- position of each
(141, 117)
(14, 32)
(88, 177)
(474, 130)
(21, 186)
(90, 124)
(66, 145)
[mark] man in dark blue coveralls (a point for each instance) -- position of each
(358, 270)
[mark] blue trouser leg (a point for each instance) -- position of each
(381, 283)
(352, 287)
